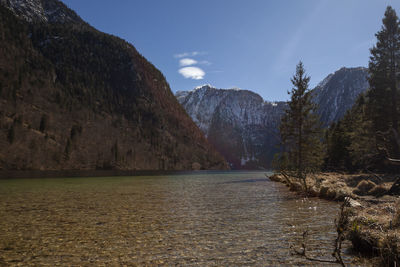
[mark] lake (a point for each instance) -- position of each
(192, 219)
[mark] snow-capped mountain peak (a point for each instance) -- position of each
(204, 86)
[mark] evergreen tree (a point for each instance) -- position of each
(358, 133)
(367, 133)
(301, 130)
(337, 142)
(384, 68)
(362, 148)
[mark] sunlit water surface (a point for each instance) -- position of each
(204, 219)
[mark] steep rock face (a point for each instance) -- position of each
(244, 128)
(72, 97)
(239, 123)
(338, 92)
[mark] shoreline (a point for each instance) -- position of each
(35, 174)
(374, 221)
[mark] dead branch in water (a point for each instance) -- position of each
(341, 224)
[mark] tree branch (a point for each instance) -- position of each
(341, 225)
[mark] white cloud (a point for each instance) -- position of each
(194, 73)
(181, 55)
(187, 62)
(190, 54)
(197, 53)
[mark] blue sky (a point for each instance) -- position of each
(251, 45)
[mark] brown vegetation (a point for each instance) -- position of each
(374, 220)
(66, 103)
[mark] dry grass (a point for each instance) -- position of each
(396, 217)
(375, 223)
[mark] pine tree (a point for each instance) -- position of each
(301, 130)
(367, 133)
(384, 68)
(337, 142)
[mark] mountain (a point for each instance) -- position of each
(43, 11)
(338, 92)
(72, 97)
(244, 128)
(239, 123)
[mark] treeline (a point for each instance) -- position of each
(366, 138)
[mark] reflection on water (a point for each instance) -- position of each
(231, 218)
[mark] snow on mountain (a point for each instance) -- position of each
(337, 93)
(244, 128)
(239, 123)
(42, 11)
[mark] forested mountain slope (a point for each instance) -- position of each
(72, 97)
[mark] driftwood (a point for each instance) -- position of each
(394, 161)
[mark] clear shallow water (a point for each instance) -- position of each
(204, 219)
